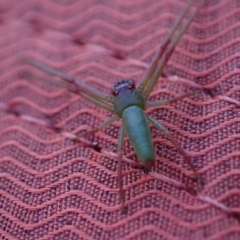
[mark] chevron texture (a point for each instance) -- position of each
(53, 189)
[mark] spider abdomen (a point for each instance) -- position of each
(138, 131)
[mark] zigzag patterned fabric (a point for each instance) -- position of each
(51, 188)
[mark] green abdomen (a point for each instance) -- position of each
(136, 126)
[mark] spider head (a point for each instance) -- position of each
(124, 85)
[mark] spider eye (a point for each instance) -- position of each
(114, 91)
(131, 83)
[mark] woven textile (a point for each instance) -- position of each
(51, 188)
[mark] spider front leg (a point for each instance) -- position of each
(161, 58)
(157, 57)
(72, 84)
(159, 126)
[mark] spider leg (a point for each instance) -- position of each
(167, 54)
(9, 108)
(102, 126)
(187, 159)
(71, 88)
(163, 103)
(120, 155)
(157, 57)
(76, 83)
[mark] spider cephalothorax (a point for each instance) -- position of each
(125, 95)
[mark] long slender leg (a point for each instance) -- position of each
(102, 126)
(83, 88)
(211, 91)
(120, 154)
(171, 138)
(9, 108)
(150, 71)
(168, 54)
(230, 211)
(71, 88)
(163, 103)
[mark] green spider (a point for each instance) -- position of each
(128, 102)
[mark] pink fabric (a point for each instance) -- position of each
(53, 189)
